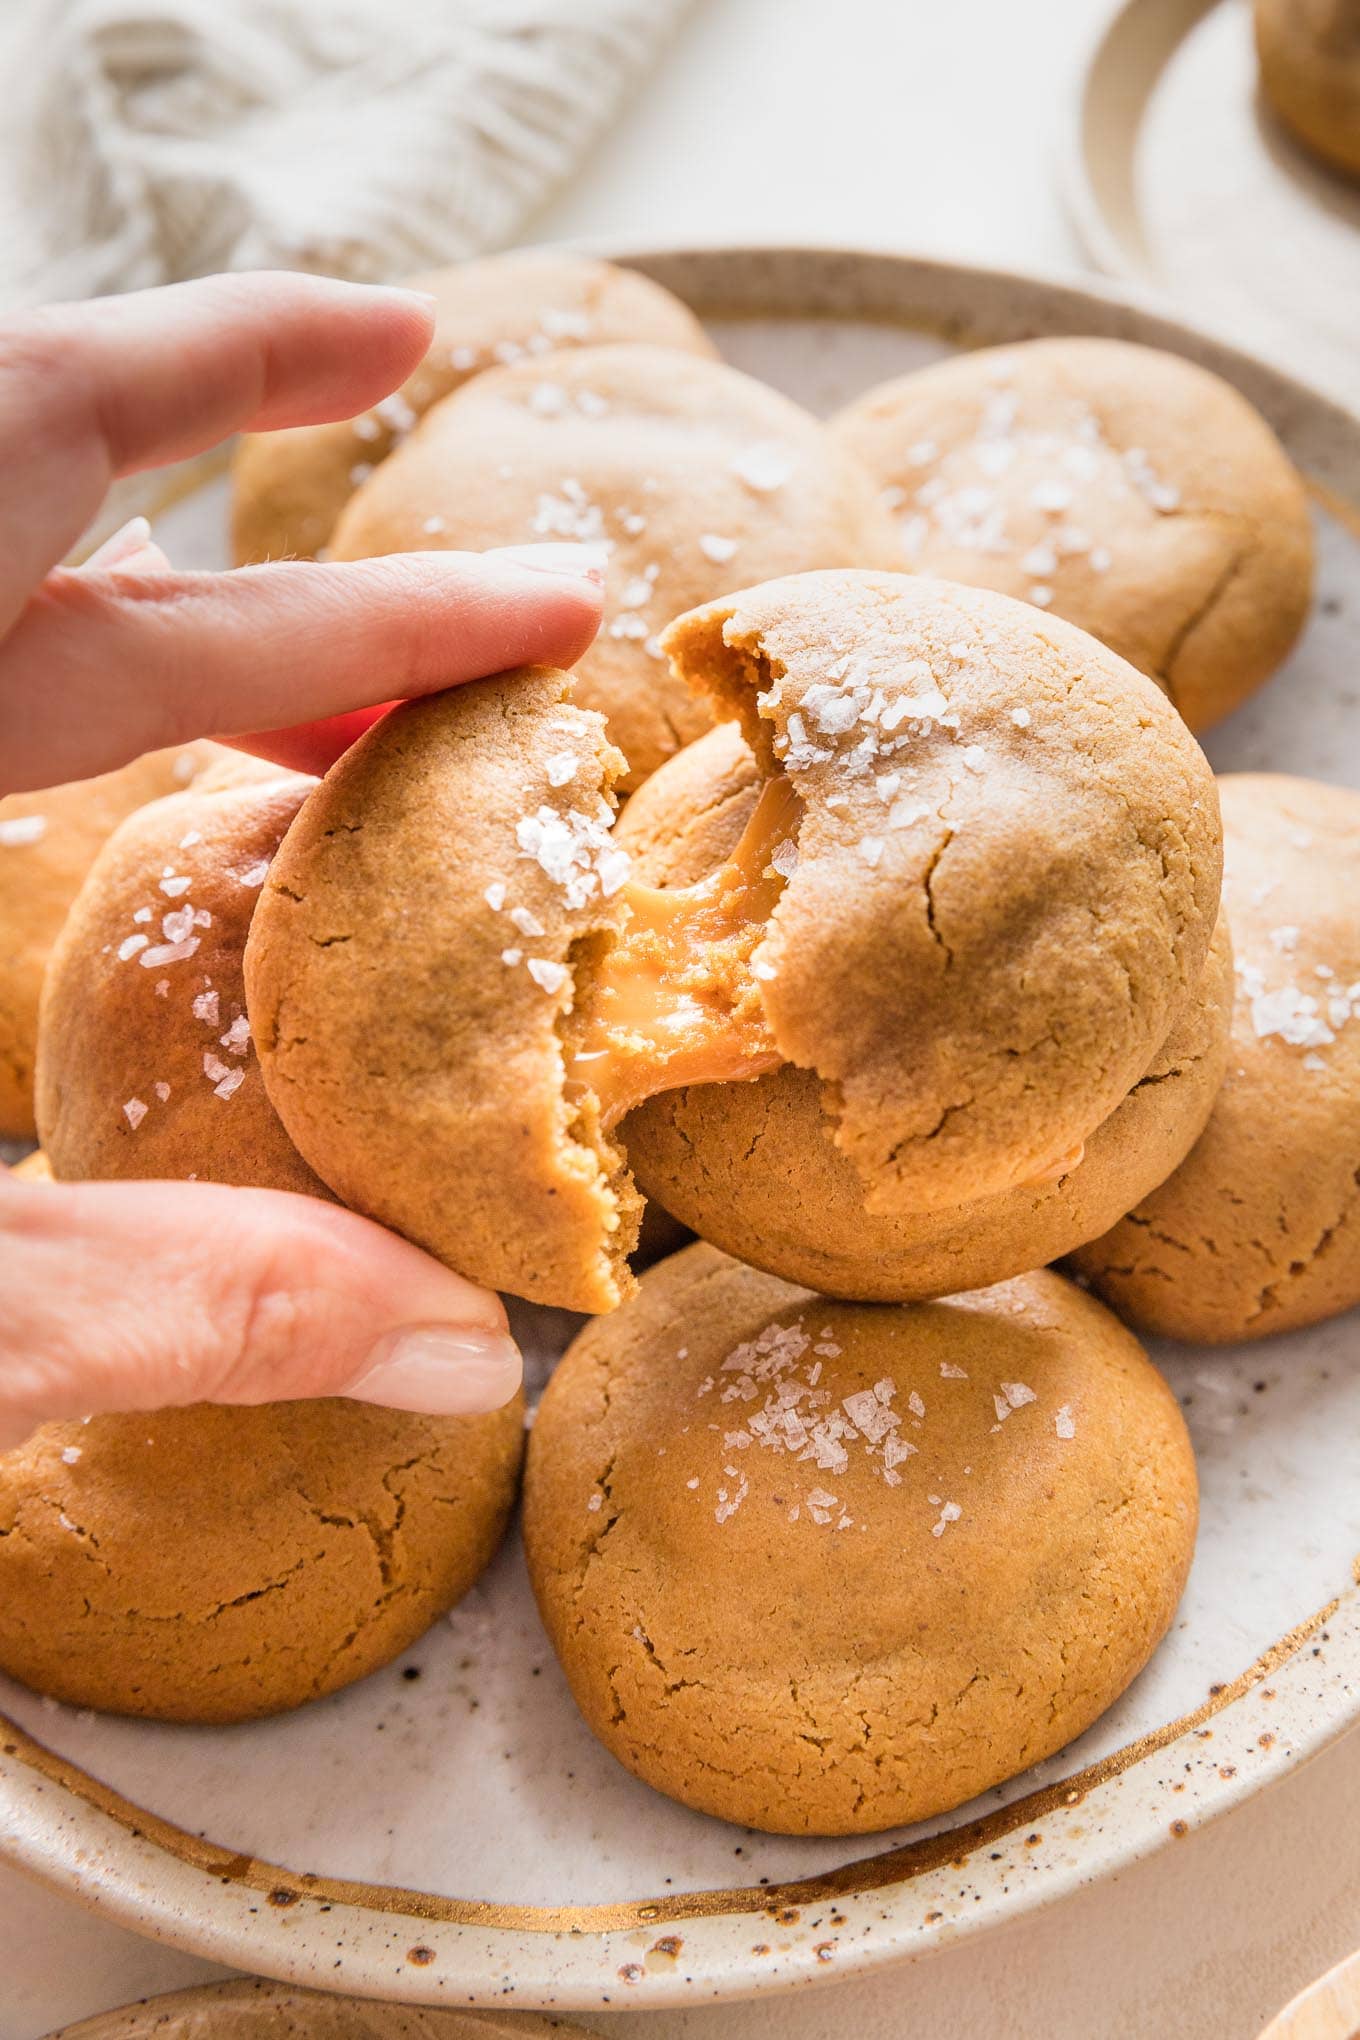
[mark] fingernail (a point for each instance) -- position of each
(579, 562)
(441, 1371)
(402, 290)
(129, 538)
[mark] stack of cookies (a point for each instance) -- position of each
(866, 902)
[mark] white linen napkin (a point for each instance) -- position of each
(143, 142)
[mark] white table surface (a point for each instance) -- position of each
(919, 125)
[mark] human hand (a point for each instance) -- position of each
(146, 1295)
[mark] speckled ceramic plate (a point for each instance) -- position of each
(1178, 176)
(448, 1832)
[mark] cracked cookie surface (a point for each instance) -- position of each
(693, 477)
(214, 1565)
(826, 1568)
(288, 488)
(1007, 871)
(1119, 486)
(1258, 1231)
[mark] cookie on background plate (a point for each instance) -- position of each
(1121, 487)
(1258, 1231)
(288, 488)
(694, 477)
(145, 1061)
(828, 1568)
(210, 1564)
(1309, 52)
(48, 841)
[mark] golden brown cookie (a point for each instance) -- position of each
(1309, 52)
(145, 1062)
(977, 934)
(826, 1568)
(213, 1564)
(48, 842)
(1118, 486)
(1006, 875)
(407, 972)
(694, 477)
(289, 487)
(754, 1167)
(1258, 1231)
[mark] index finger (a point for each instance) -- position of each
(90, 392)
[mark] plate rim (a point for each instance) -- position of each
(1120, 60)
(55, 1833)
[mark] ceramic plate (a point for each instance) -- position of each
(448, 1832)
(1179, 176)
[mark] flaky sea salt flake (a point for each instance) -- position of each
(546, 974)
(18, 831)
(169, 952)
(763, 467)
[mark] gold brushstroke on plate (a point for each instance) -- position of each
(286, 1888)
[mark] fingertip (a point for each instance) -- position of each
(556, 593)
(342, 346)
(570, 624)
(408, 312)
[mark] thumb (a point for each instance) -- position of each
(139, 1296)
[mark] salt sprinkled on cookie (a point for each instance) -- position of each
(1258, 1230)
(1123, 488)
(899, 1601)
(113, 1032)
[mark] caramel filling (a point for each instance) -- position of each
(675, 1000)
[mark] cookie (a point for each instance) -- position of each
(288, 488)
(406, 975)
(977, 934)
(145, 1063)
(48, 842)
(1309, 52)
(214, 1565)
(34, 1168)
(1258, 1231)
(1117, 486)
(754, 1167)
(827, 1568)
(1005, 877)
(695, 478)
